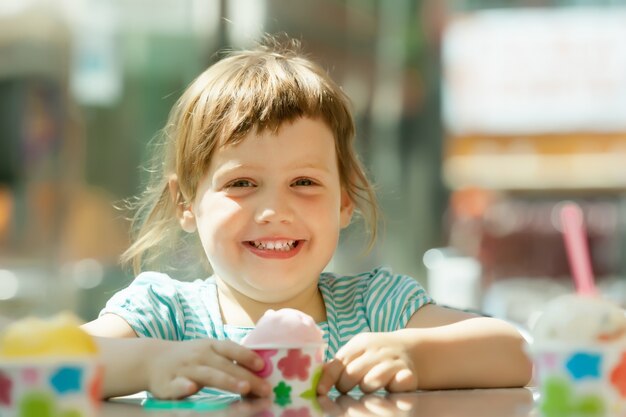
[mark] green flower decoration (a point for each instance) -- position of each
(282, 392)
(559, 400)
(37, 404)
(315, 380)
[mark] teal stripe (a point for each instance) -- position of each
(376, 305)
(164, 326)
(197, 329)
(194, 321)
(340, 288)
(166, 306)
(351, 323)
(356, 328)
(149, 325)
(402, 293)
(406, 293)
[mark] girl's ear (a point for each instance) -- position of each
(184, 210)
(345, 210)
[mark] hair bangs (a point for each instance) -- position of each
(272, 92)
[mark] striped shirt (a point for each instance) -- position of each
(157, 306)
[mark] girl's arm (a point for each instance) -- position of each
(171, 369)
(126, 364)
(454, 349)
(109, 325)
(440, 348)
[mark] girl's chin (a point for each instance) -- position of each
(272, 290)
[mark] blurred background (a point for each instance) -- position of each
(476, 119)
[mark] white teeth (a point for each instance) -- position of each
(279, 245)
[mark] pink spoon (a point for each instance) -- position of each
(575, 236)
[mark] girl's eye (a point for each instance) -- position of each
(240, 184)
(304, 182)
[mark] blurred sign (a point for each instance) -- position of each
(96, 71)
(529, 71)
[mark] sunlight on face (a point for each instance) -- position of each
(270, 209)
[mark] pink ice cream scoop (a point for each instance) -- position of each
(284, 327)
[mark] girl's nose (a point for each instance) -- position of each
(274, 207)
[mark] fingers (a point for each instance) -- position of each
(343, 377)
(379, 376)
(217, 378)
(393, 376)
(353, 374)
(226, 375)
(334, 372)
(235, 363)
(403, 381)
(369, 374)
(219, 364)
(242, 355)
(330, 375)
(177, 388)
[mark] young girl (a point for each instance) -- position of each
(259, 163)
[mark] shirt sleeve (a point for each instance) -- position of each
(151, 306)
(391, 299)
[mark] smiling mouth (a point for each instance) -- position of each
(278, 245)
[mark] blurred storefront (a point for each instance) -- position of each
(535, 114)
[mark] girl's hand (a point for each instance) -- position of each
(180, 369)
(372, 361)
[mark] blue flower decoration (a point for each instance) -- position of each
(67, 379)
(584, 365)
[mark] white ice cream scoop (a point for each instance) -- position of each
(576, 318)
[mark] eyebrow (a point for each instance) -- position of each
(229, 167)
(309, 165)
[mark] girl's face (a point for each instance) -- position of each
(270, 209)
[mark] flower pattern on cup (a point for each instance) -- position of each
(38, 403)
(6, 387)
(618, 376)
(295, 365)
(30, 376)
(282, 392)
(95, 385)
(559, 398)
(67, 379)
(584, 365)
(266, 355)
(548, 361)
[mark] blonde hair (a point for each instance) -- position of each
(261, 88)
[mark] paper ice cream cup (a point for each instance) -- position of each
(580, 379)
(50, 388)
(292, 371)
